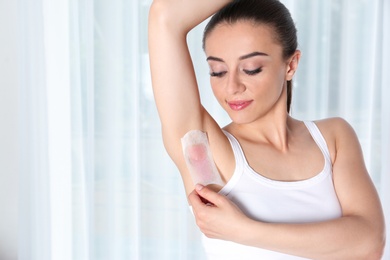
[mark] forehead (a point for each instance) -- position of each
(240, 38)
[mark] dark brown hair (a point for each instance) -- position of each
(267, 12)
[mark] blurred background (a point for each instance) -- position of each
(83, 172)
(9, 111)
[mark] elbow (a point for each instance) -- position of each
(160, 13)
(165, 18)
(157, 11)
(377, 251)
(374, 248)
(374, 254)
(372, 241)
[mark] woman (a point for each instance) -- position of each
(294, 190)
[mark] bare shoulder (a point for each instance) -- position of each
(334, 124)
(337, 132)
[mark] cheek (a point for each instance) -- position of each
(276, 79)
(280, 81)
(266, 87)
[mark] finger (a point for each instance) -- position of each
(195, 200)
(209, 195)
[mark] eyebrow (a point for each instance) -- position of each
(256, 53)
(246, 56)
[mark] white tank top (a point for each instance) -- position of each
(267, 200)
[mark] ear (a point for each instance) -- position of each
(292, 65)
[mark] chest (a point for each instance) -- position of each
(305, 201)
(303, 160)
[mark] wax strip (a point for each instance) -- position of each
(199, 159)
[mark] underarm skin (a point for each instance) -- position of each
(199, 160)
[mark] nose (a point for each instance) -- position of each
(234, 84)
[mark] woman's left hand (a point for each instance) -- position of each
(216, 216)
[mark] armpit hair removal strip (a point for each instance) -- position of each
(199, 160)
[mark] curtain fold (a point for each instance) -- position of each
(56, 49)
(34, 211)
(45, 190)
(83, 126)
(96, 180)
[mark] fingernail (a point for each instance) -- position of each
(198, 187)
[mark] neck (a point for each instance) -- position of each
(272, 130)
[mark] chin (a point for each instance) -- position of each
(241, 120)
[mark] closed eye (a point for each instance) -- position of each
(252, 72)
(217, 74)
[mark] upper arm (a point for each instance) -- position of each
(353, 185)
(173, 78)
(175, 92)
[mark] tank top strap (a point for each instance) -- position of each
(319, 139)
(240, 161)
(237, 150)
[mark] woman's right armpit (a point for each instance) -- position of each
(199, 160)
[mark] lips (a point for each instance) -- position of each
(239, 104)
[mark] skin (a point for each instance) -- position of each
(256, 102)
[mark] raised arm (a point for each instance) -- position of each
(358, 234)
(173, 78)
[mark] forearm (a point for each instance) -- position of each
(356, 236)
(344, 238)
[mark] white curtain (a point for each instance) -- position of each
(96, 182)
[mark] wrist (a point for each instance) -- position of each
(250, 231)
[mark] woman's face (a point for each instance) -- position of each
(248, 72)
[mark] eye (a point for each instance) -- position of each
(252, 72)
(217, 74)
